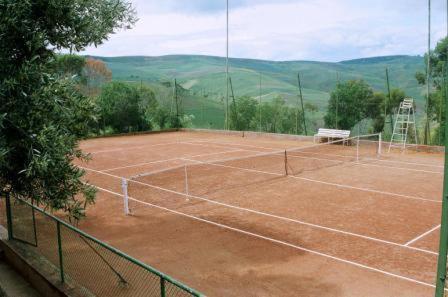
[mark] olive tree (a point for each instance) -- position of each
(42, 115)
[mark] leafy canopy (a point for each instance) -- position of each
(351, 102)
(124, 107)
(42, 114)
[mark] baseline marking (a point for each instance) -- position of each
(341, 161)
(274, 216)
(184, 141)
(381, 160)
(278, 241)
(167, 160)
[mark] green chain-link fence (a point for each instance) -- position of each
(94, 267)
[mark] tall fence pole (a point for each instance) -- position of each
(61, 261)
(337, 100)
(443, 242)
(427, 136)
(389, 102)
(227, 68)
(177, 104)
(303, 109)
(259, 104)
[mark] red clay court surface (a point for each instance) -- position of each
(367, 228)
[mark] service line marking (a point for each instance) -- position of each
(284, 243)
(319, 181)
(271, 215)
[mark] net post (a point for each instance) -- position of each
(286, 163)
(124, 186)
(357, 148)
(186, 182)
(380, 142)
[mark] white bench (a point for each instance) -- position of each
(331, 134)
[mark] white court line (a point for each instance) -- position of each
(297, 247)
(132, 147)
(421, 236)
(214, 144)
(139, 164)
(321, 182)
(184, 141)
(233, 143)
(275, 216)
(344, 156)
(330, 155)
(413, 163)
(167, 160)
(400, 168)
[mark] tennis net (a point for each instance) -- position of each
(206, 178)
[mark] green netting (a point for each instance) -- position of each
(202, 178)
(362, 148)
(83, 262)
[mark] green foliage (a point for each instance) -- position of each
(435, 107)
(276, 116)
(351, 102)
(125, 107)
(43, 116)
(438, 63)
(243, 113)
(204, 75)
(68, 65)
(420, 77)
(377, 114)
(392, 104)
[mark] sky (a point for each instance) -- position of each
(281, 30)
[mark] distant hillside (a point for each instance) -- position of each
(206, 73)
(204, 78)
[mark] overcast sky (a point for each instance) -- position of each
(325, 30)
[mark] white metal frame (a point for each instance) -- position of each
(402, 122)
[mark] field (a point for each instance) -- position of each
(347, 222)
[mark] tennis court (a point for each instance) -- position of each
(268, 215)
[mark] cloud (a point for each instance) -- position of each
(279, 29)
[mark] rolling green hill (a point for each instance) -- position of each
(204, 76)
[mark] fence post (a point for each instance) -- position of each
(61, 262)
(162, 287)
(8, 216)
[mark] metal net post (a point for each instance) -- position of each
(186, 182)
(379, 143)
(124, 186)
(357, 148)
